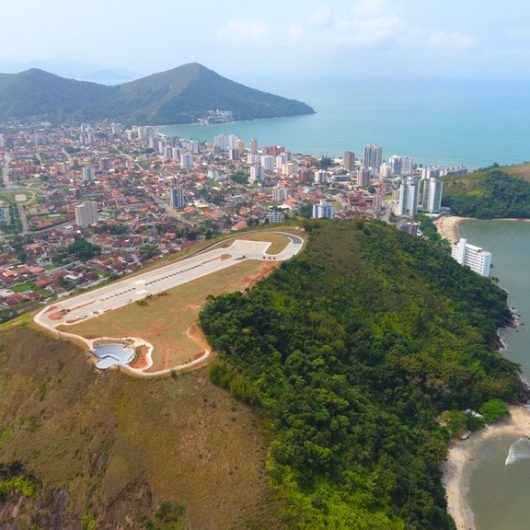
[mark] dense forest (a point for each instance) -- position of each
(360, 352)
(490, 193)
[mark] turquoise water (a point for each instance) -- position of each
(448, 122)
(499, 495)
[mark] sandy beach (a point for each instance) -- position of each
(448, 227)
(457, 469)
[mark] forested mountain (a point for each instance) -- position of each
(491, 193)
(363, 352)
(181, 95)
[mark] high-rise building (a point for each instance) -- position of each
(5, 215)
(401, 165)
(267, 162)
(363, 177)
(88, 173)
(373, 157)
(408, 197)
(221, 142)
(323, 210)
(279, 194)
(177, 200)
(254, 146)
(275, 215)
(186, 161)
(5, 172)
(86, 214)
(2, 141)
(432, 192)
(348, 160)
(476, 258)
(255, 174)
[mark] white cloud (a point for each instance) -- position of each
(368, 24)
(369, 8)
(243, 31)
(295, 33)
(452, 40)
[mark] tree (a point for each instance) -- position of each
(494, 410)
(149, 251)
(83, 249)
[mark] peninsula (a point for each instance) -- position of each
(185, 94)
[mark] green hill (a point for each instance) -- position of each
(355, 350)
(181, 95)
(491, 193)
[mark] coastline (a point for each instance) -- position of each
(461, 456)
(458, 466)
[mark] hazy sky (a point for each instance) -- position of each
(250, 39)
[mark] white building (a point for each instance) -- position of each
(323, 210)
(267, 162)
(432, 192)
(373, 157)
(476, 258)
(176, 196)
(279, 194)
(221, 142)
(348, 160)
(86, 214)
(186, 161)
(275, 215)
(255, 174)
(88, 173)
(408, 198)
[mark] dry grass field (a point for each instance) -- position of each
(114, 447)
(168, 321)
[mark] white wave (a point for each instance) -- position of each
(519, 450)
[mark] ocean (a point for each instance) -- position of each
(500, 477)
(448, 122)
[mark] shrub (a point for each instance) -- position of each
(494, 410)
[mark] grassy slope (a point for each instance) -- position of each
(115, 447)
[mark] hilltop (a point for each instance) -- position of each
(342, 362)
(495, 192)
(180, 95)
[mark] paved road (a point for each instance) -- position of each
(124, 292)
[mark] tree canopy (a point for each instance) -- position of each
(354, 350)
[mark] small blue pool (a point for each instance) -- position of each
(113, 354)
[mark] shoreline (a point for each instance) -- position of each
(461, 456)
(448, 227)
(458, 467)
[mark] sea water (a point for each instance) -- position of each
(474, 122)
(499, 493)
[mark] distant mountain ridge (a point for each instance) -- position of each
(181, 95)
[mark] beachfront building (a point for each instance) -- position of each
(476, 258)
